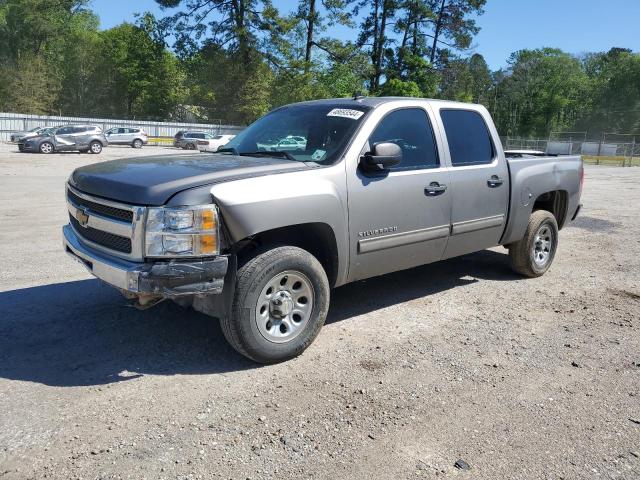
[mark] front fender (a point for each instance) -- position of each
(255, 205)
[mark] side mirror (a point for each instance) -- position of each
(382, 156)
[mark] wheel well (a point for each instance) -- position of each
(316, 238)
(555, 202)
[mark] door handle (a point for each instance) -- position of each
(494, 181)
(434, 189)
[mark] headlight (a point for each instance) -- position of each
(182, 231)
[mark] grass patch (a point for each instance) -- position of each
(619, 161)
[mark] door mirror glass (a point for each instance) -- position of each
(382, 156)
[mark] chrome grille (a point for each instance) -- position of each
(105, 239)
(111, 227)
(106, 210)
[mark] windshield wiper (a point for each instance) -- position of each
(274, 153)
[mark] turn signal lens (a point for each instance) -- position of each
(208, 220)
(208, 244)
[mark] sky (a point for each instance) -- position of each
(575, 26)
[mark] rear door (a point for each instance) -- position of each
(81, 136)
(479, 180)
(129, 135)
(399, 218)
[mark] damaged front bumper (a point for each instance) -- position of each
(166, 279)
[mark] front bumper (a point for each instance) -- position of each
(168, 279)
(26, 147)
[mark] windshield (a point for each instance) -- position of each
(306, 133)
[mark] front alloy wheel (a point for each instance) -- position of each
(284, 306)
(46, 147)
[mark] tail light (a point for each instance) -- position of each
(203, 142)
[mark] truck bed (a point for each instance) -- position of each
(530, 177)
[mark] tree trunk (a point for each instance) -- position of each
(238, 7)
(436, 33)
(403, 47)
(374, 48)
(380, 48)
(311, 20)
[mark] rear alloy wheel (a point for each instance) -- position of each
(95, 147)
(46, 147)
(532, 256)
(137, 143)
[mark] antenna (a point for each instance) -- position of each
(358, 96)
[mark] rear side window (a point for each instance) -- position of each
(411, 130)
(468, 137)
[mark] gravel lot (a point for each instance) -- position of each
(461, 360)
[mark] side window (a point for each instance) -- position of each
(411, 130)
(468, 137)
(63, 131)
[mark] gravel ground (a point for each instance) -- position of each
(460, 361)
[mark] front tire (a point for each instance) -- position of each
(95, 147)
(280, 304)
(46, 147)
(533, 255)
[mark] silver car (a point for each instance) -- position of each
(136, 137)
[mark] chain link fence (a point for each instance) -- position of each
(610, 149)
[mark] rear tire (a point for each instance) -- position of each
(533, 255)
(95, 147)
(137, 143)
(280, 304)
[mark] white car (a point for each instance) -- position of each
(214, 143)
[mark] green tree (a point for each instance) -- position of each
(138, 77)
(543, 90)
(453, 24)
(614, 79)
(374, 33)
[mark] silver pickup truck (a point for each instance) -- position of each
(257, 236)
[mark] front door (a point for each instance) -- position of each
(479, 181)
(399, 218)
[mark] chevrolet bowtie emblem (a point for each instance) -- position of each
(82, 217)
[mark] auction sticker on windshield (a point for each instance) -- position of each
(345, 113)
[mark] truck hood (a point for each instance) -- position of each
(153, 180)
